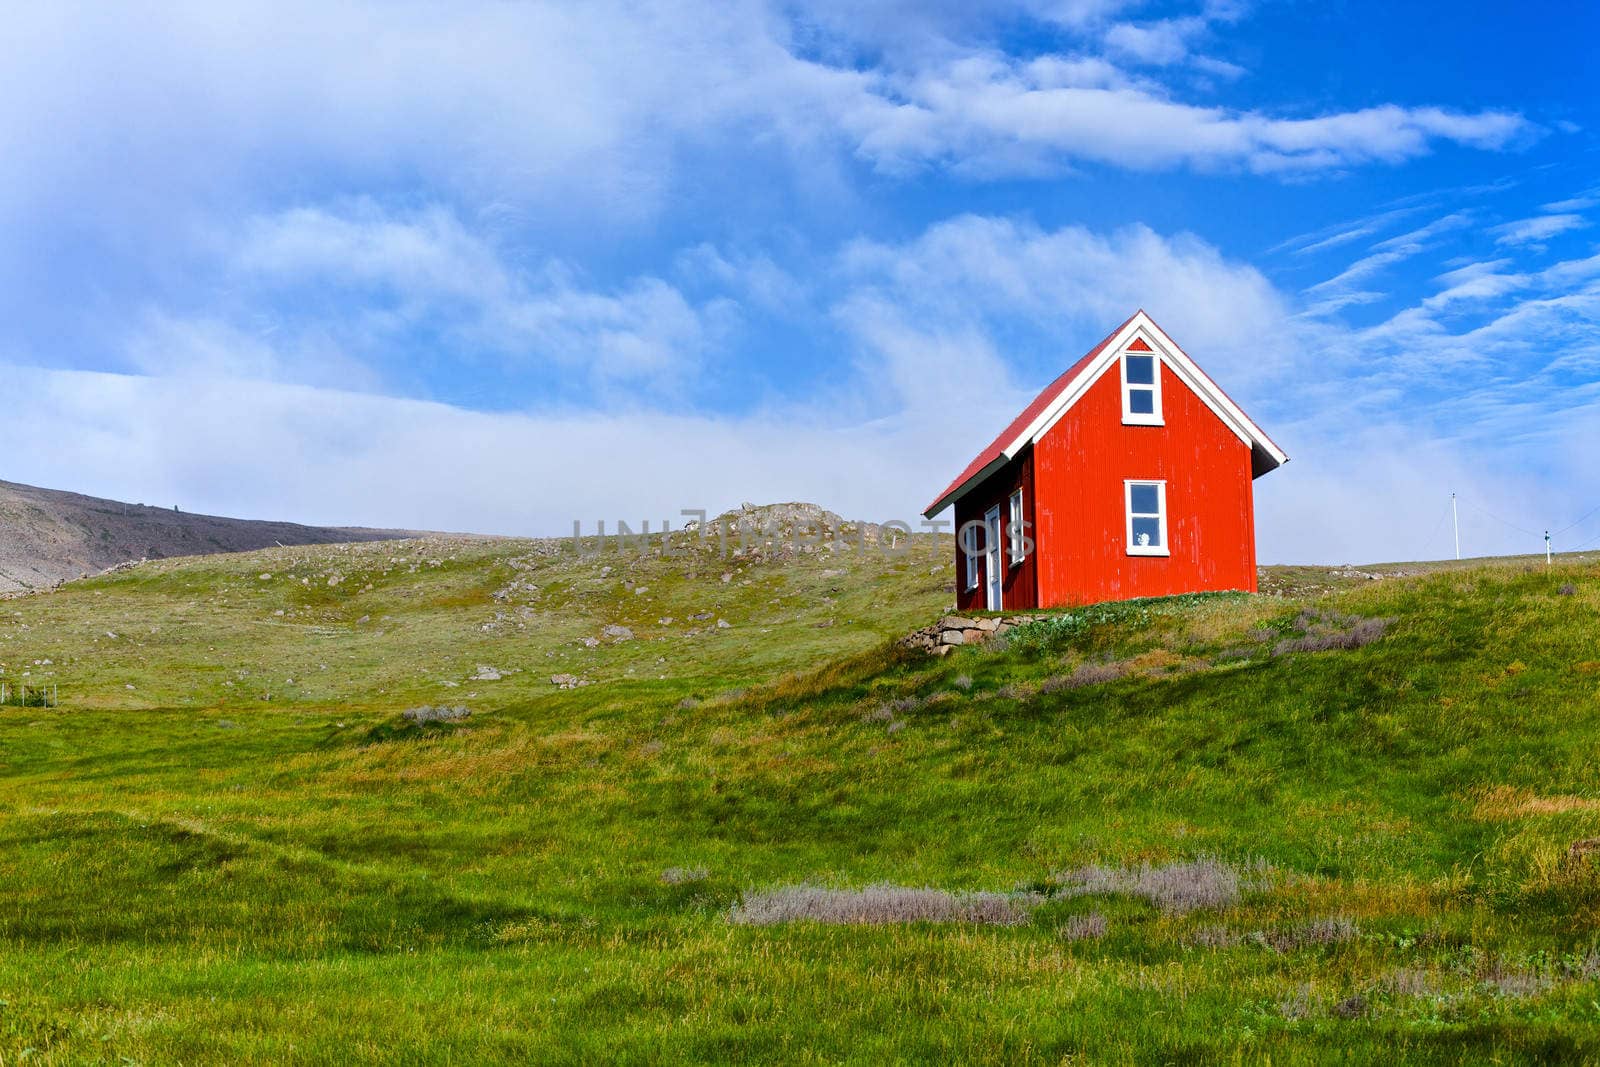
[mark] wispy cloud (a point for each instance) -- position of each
(1341, 290)
(1536, 229)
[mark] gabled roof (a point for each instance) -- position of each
(1141, 333)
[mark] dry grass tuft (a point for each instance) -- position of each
(1086, 674)
(1176, 888)
(1213, 936)
(1410, 982)
(1509, 802)
(1515, 984)
(1352, 1007)
(880, 904)
(1089, 927)
(684, 875)
(1323, 631)
(1298, 1004)
(1332, 931)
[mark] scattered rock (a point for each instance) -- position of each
(617, 633)
(590, 642)
(486, 673)
(441, 713)
(723, 624)
(567, 681)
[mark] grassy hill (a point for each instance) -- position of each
(1333, 822)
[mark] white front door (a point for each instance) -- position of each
(993, 559)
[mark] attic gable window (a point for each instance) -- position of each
(1141, 386)
(1147, 518)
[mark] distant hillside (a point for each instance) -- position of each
(47, 535)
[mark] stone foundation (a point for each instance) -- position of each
(953, 630)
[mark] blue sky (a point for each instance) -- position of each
(497, 266)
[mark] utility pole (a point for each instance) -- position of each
(1547, 548)
(1455, 517)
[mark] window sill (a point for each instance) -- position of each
(1135, 550)
(1135, 420)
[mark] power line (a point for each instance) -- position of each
(1594, 511)
(1503, 522)
(1428, 544)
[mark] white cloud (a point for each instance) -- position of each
(595, 115)
(1537, 229)
(1158, 43)
(1340, 291)
(1073, 282)
(264, 449)
(342, 286)
(986, 115)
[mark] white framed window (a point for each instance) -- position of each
(1018, 540)
(1147, 517)
(1141, 389)
(972, 553)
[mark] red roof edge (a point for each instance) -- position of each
(1220, 391)
(996, 448)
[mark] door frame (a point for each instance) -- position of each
(993, 561)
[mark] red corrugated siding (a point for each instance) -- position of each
(1079, 468)
(1019, 589)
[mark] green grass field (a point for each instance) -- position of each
(228, 844)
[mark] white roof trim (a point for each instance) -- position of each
(1141, 325)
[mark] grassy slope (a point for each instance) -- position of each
(189, 871)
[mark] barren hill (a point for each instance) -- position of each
(47, 535)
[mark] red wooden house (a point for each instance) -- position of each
(1129, 476)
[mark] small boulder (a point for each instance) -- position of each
(617, 633)
(952, 637)
(442, 713)
(486, 673)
